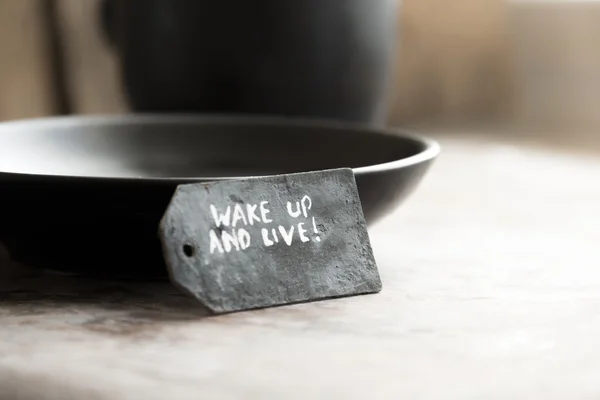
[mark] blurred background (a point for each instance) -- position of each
(532, 64)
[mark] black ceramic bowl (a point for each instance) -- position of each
(85, 194)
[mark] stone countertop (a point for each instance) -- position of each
(491, 291)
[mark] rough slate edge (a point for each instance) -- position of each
(376, 290)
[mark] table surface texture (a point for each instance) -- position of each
(491, 280)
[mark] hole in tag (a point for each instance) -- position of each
(188, 250)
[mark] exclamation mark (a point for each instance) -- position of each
(317, 238)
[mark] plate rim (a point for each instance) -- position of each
(431, 148)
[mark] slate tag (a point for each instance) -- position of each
(243, 244)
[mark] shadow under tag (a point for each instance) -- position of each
(260, 242)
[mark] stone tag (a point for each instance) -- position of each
(259, 242)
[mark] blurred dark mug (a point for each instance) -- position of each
(330, 59)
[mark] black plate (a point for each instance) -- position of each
(85, 194)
